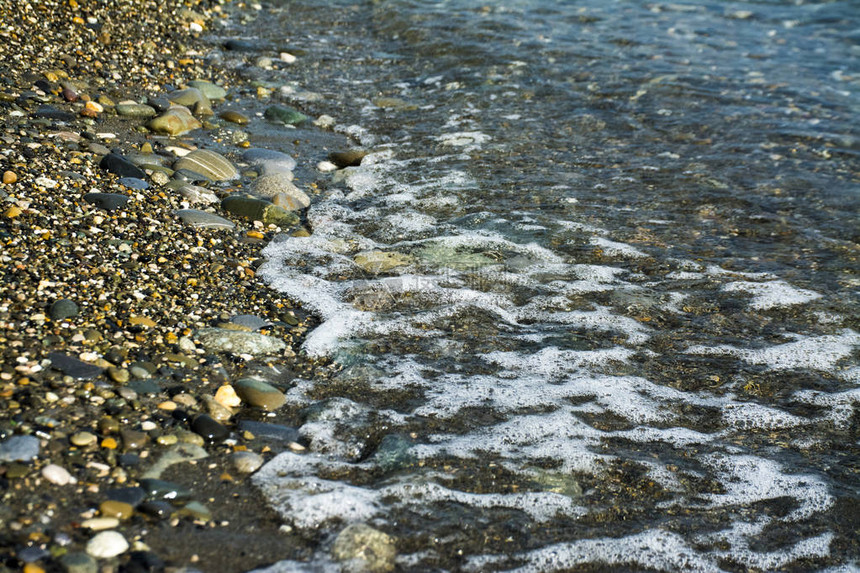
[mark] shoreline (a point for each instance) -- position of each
(103, 304)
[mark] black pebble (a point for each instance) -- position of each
(209, 428)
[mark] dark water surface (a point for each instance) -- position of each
(594, 291)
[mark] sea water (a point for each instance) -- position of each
(591, 298)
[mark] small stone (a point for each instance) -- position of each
(237, 45)
(83, 439)
(118, 375)
(63, 308)
(159, 509)
(203, 219)
(208, 89)
(118, 509)
(367, 549)
(9, 177)
(234, 117)
(246, 462)
(131, 496)
(275, 432)
(135, 110)
(284, 114)
(133, 439)
(19, 449)
(78, 563)
(73, 367)
(57, 475)
(227, 397)
(100, 523)
(108, 425)
(195, 194)
(192, 98)
(175, 121)
(139, 320)
(107, 544)
(210, 429)
(259, 394)
(120, 166)
(107, 201)
(269, 186)
(13, 211)
(109, 443)
(216, 410)
(259, 210)
(349, 158)
(213, 165)
(134, 183)
(258, 155)
(223, 340)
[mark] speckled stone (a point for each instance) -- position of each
(284, 114)
(19, 449)
(63, 308)
(259, 210)
(268, 186)
(236, 342)
(78, 563)
(372, 549)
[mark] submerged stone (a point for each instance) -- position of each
(365, 549)
(19, 449)
(121, 166)
(73, 367)
(208, 89)
(193, 99)
(284, 114)
(381, 261)
(259, 155)
(259, 210)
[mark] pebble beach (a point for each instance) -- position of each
(142, 358)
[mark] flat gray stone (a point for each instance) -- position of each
(19, 449)
(71, 366)
(203, 219)
(256, 155)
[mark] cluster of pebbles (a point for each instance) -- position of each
(141, 359)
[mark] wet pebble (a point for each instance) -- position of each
(157, 489)
(275, 432)
(234, 117)
(117, 509)
(258, 393)
(83, 439)
(107, 201)
(63, 308)
(258, 155)
(203, 219)
(159, 509)
(209, 428)
(175, 121)
(269, 186)
(73, 367)
(259, 210)
(78, 563)
(193, 99)
(135, 110)
(57, 475)
(132, 496)
(349, 158)
(208, 163)
(121, 166)
(284, 114)
(246, 462)
(107, 544)
(134, 183)
(236, 342)
(208, 89)
(367, 549)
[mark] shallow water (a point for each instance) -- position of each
(613, 317)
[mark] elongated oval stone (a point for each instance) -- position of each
(135, 110)
(210, 90)
(237, 342)
(258, 393)
(213, 165)
(269, 186)
(257, 155)
(203, 219)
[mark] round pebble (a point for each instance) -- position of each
(9, 177)
(246, 462)
(83, 439)
(117, 509)
(57, 475)
(107, 544)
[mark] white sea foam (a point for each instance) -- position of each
(773, 294)
(616, 249)
(654, 549)
(814, 352)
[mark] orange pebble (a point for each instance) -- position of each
(109, 443)
(9, 177)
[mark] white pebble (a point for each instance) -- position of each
(45, 182)
(107, 544)
(326, 166)
(195, 27)
(57, 475)
(287, 57)
(324, 121)
(100, 523)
